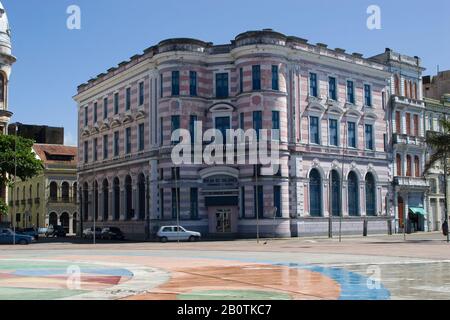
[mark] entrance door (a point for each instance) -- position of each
(401, 212)
(223, 221)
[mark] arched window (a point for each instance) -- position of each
(399, 165)
(408, 166)
(128, 198)
(406, 88)
(141, 192)
(315, 193)
(85, 201)
(96, 200)
(116, 193)
(105, 200)
(65, 191)
(335, 194)
(53, 219)
(370, 195)
(53, 191)
(417, 166)
(353, 195)
(38, 190)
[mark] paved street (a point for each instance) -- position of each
(357, 268)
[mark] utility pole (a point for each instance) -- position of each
(445, 193)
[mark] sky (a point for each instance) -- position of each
(53, 60)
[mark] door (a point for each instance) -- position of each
(223, 221)
(401, 212)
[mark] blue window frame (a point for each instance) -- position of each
(95, 112)
(128, 140)
(352, 134)
(332, 90)
(105, 108)
(314, 130)
(335, 194)
(141, 134)
(334, 141)
(350, 92)
(369, 137)
(275, 78)
(85, 116)
(353, 195)
(128, 99)
(86, 152)
(367, 95)
(193, 83)
(192, 121)
(277, 200)
(175, 83)
(105, 147)
(257, 122)
(175, 125)
(370, 195)
(141, 93)
(258, 201)
(276, 125)
(116, 144)
(241, 80)
(315, 193)
(194, 203)
(116, 103)
(175, 202)
(313, 85)
(256, 76)
(221, 85)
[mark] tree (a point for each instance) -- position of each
(16, 160)
(439, 142)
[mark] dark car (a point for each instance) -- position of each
(7, 236)
(112, 233)
(56, 232)
(29, 232)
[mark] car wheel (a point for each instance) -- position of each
(163, 239)
(23, 242)
(192, 239)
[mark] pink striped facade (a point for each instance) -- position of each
(295, 59)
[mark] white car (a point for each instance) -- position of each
(174, 233)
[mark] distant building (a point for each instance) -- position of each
(39, 134)
(50, 198)
(437, 87)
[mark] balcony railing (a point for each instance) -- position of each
(411, 182)
(410, 140)
(408, 101)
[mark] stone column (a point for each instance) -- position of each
(344, 199)
(100, 204)
(110, 204)
(71, 231)
(325, 198)
(285, 212)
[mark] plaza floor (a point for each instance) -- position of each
(373, 268)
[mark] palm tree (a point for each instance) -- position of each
(439, 142)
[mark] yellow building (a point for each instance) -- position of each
(51, 197)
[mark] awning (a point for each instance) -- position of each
(420, 211)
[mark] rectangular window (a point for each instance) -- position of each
(85, 116)
(95, 112)
(333, 132)
(332, 91)
(275, 78)
(369, 137)
(86, 152)
(116, 103)
(128, 99)
(161, 86)
(313, 92)
(257, 122)
(256, 76)
(175, 83)
(175, 203)
(276, 125)
(398, 122)
(241, 80)
(193, 83)
(105, 108)
(350, 92)
(408, 124)
(192, 121)
(258, 198)
(277, 200)
(95, 149)
(222, 85)
(194, 203)
(141, 133)
(175, 125)
(116, 144)
(141, 93)
(416, 125)
(128, 140)
(367, 95)
(105, 147)
(314, 130)
(352, 134)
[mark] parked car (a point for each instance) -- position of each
(112, 233)
(56, 232)
(7, 236)
(30, 232)
(174, 233)
(89, 233)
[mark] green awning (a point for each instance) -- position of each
(418, 211)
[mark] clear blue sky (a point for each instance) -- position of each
(53, 60)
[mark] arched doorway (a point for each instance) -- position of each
(315, 193)
(105, 200)
(353, 195)
(335, 193)
(116, 193)
(85, 201)
(141, 192)
(96, 200)
(370, 195)
(129, 198)
(65, 222)
(53, 219)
